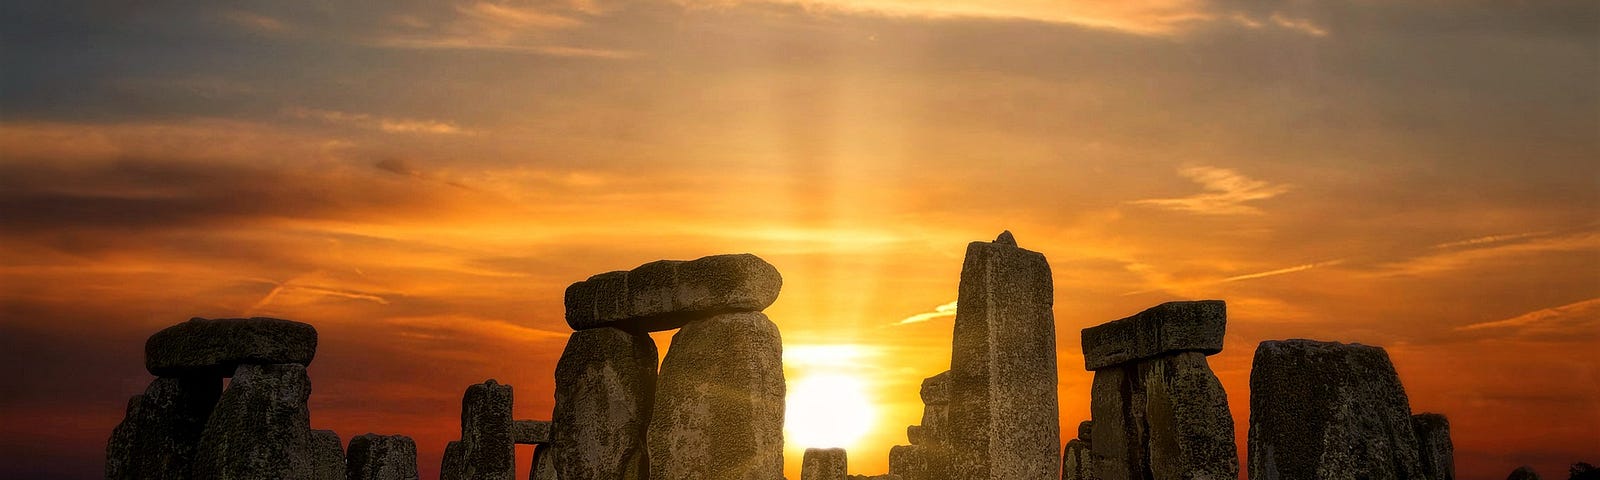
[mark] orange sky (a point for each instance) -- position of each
(422, 180)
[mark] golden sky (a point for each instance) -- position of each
(422, 180)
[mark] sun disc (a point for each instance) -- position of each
(828, 410)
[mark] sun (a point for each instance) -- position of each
(827, 410)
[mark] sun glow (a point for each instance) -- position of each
(828, 410)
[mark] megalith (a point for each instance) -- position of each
(1158, 411)
(260, 428)
(1327, 410)
(928, 456)
(605, 386)
(1434, 449)
(381, 457)
(824, 464)
(668, 294)
(1075, 461)
(531, 432)
(1003, 412)
(1523, 473)
(718, 412)
(544, 464)
(486, 450)
(207, 348)
(158, 436)
(327, 455)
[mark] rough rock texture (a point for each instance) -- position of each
(605, 385)
(544, 464)
(1434, 448)
(886, 476)
(824, 464)
(1523, 473)
(533, 432)
(935, 410)
(381, 457)
(1086, 430)
(205, 348)
(1003, 412)
(1165, 417)
(487, 452)
(158, 436)
(327, 455)
(1166, 328)
(911, 462)
(719, 402)
(666, 294)
(260, 428)
(1075, 461)
(1325, 410)
(450, 465)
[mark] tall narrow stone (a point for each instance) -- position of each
(1004, 415)
(450, 466)
(260, 428)
(381, 457)
(1326, 410)
(718, 411)
(824, 464)
(487, 450)
(327, 455)
(911, 462)
(544, 464)
(1075, 461)
(1434, 448)
(158, 436)
(605, 385)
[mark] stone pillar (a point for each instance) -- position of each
(1158, 410)
(1075, 461)
(605, 388)
(158, 436)
(824, 464)
(928, 456)
(1523, 473)
(260, 428)
(327, 455)
(450, 466)
(1003, 414)
(718, 411)
(1325, 410)
(381, 457)
(1435, 451)
(487, 451)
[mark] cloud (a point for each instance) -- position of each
(1147, 17)
(385, 124)
(1226, 193)
(1565, 322)
(1281, 271)
(942, 311)
(497, 27)
(256, 21)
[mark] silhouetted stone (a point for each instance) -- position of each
(1006, 238)
(605, 383)
(1075, 461)
(544, 464)
(531, 432)
(1003, 413)
(327, 455)
(487, 452)
(824, 464)
(1317, 408)
(381, 457)
(158, 436)
(666, 294)
(450, 467)
(260, 428)
(1170, 327)
(1523, 473)
(1086, 430)
(1164, 417)
(935, 411)
(719, 403)
(201, 347)
(1434, 448)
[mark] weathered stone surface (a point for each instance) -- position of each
(666, 294)
(936, 389)
(1075, 461)
(260, 428)
(1086, 430)
(1325, 410)
(1170, 327)
(1003, 413)
(544, 464)
(917, 435)
(487, 452)
(531, 432)
(824, 464)
(886, 476)
(605, 385)
(910, 462)
(201, 347)
(158, 436)
(381, 457)
(1434, 448)
(451, 465)
(327, 455)
(1523, 473)
(719, 403)
(935, 412)
(1165, 417)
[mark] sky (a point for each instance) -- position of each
(422, 180)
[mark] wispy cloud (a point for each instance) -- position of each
(497, 27)
(1226, 192)
(1586, 312)
(385, 124)
(1146, 17)
(256, 21)
(942, 311)
(292, 285)
(1281, 271)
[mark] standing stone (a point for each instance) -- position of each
(1436, 452)
(1086, 430)
(1326, 410)
(382, 457)
(451, 467)
(719, 404)
(824, 464)
(1523, 473)
(1075, 461)
(158, 436)
(544, 464)
(605, 384)
(667, 294)
(213, 348)
(532, 432)
(487, 451)
(260, 428)
(935, 409)
(911, 462)
(327, 455)
(1003, 413)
